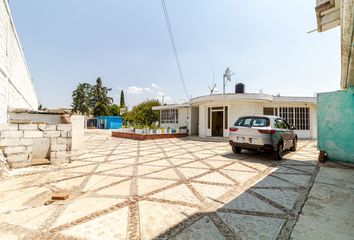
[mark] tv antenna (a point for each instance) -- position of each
(212, 86)
(227, 77)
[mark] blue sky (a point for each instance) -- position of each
(126, 43)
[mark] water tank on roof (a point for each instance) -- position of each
(240, 88)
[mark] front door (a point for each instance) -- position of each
(217, 120)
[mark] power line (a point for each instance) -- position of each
(174, 46)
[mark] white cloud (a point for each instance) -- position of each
(135, 90)
(155, 86)
(137, 94)
(159, 93)
(138, 90)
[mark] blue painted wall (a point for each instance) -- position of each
(335, 118)
(109, 122)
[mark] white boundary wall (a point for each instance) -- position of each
(16, 86)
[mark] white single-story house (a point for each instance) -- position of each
(212, 115)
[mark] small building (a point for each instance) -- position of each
(109, 122)
(212, 115)
(336, 109)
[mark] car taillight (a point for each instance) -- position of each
(233, 129)
(266, 131)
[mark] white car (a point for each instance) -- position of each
(263, 133)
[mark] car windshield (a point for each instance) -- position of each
(252, 122)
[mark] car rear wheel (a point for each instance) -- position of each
(278, 154)
(236, 149)
(293, 148)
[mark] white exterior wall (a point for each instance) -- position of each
(304, 134)
(16, 87)
(241, 105)
(240, 109)
(183, 119)
(235, 110)
(202, 121)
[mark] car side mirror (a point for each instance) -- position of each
(292, 127)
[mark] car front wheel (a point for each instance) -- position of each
(236, 149)
(278, 154)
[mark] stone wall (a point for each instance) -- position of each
(28, 144)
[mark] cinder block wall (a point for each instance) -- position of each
(17, 141)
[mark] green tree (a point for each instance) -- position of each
(113, 110)
(40, 107)
(122, 101)
(142, 114)
(81, 99)
(100, 101)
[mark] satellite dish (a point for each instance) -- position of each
(227, 77)
(228, 74)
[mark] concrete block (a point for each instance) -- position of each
(13, 150)
(28, 127)
(62, 140)
(41, 148)
(68, 147)
(53, 141)
(77, 133)
(33, 134)
(46, 127)
(51, 134)
(19, 164)
(26, 141)
(58, 147)
(8, 142)
(64, 127)
(21, 157)
(59, 157)
(64, 134)
(10, 127)
(11, 134)
(28, 149)
(62, 154)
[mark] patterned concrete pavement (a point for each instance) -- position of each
(164, 189)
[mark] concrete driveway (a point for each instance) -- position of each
(175, 188)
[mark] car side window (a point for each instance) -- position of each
(287, 124)
(279, 123)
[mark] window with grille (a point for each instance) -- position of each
(270, 111)
(296, 116)
(169, 116)
(302, 118)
